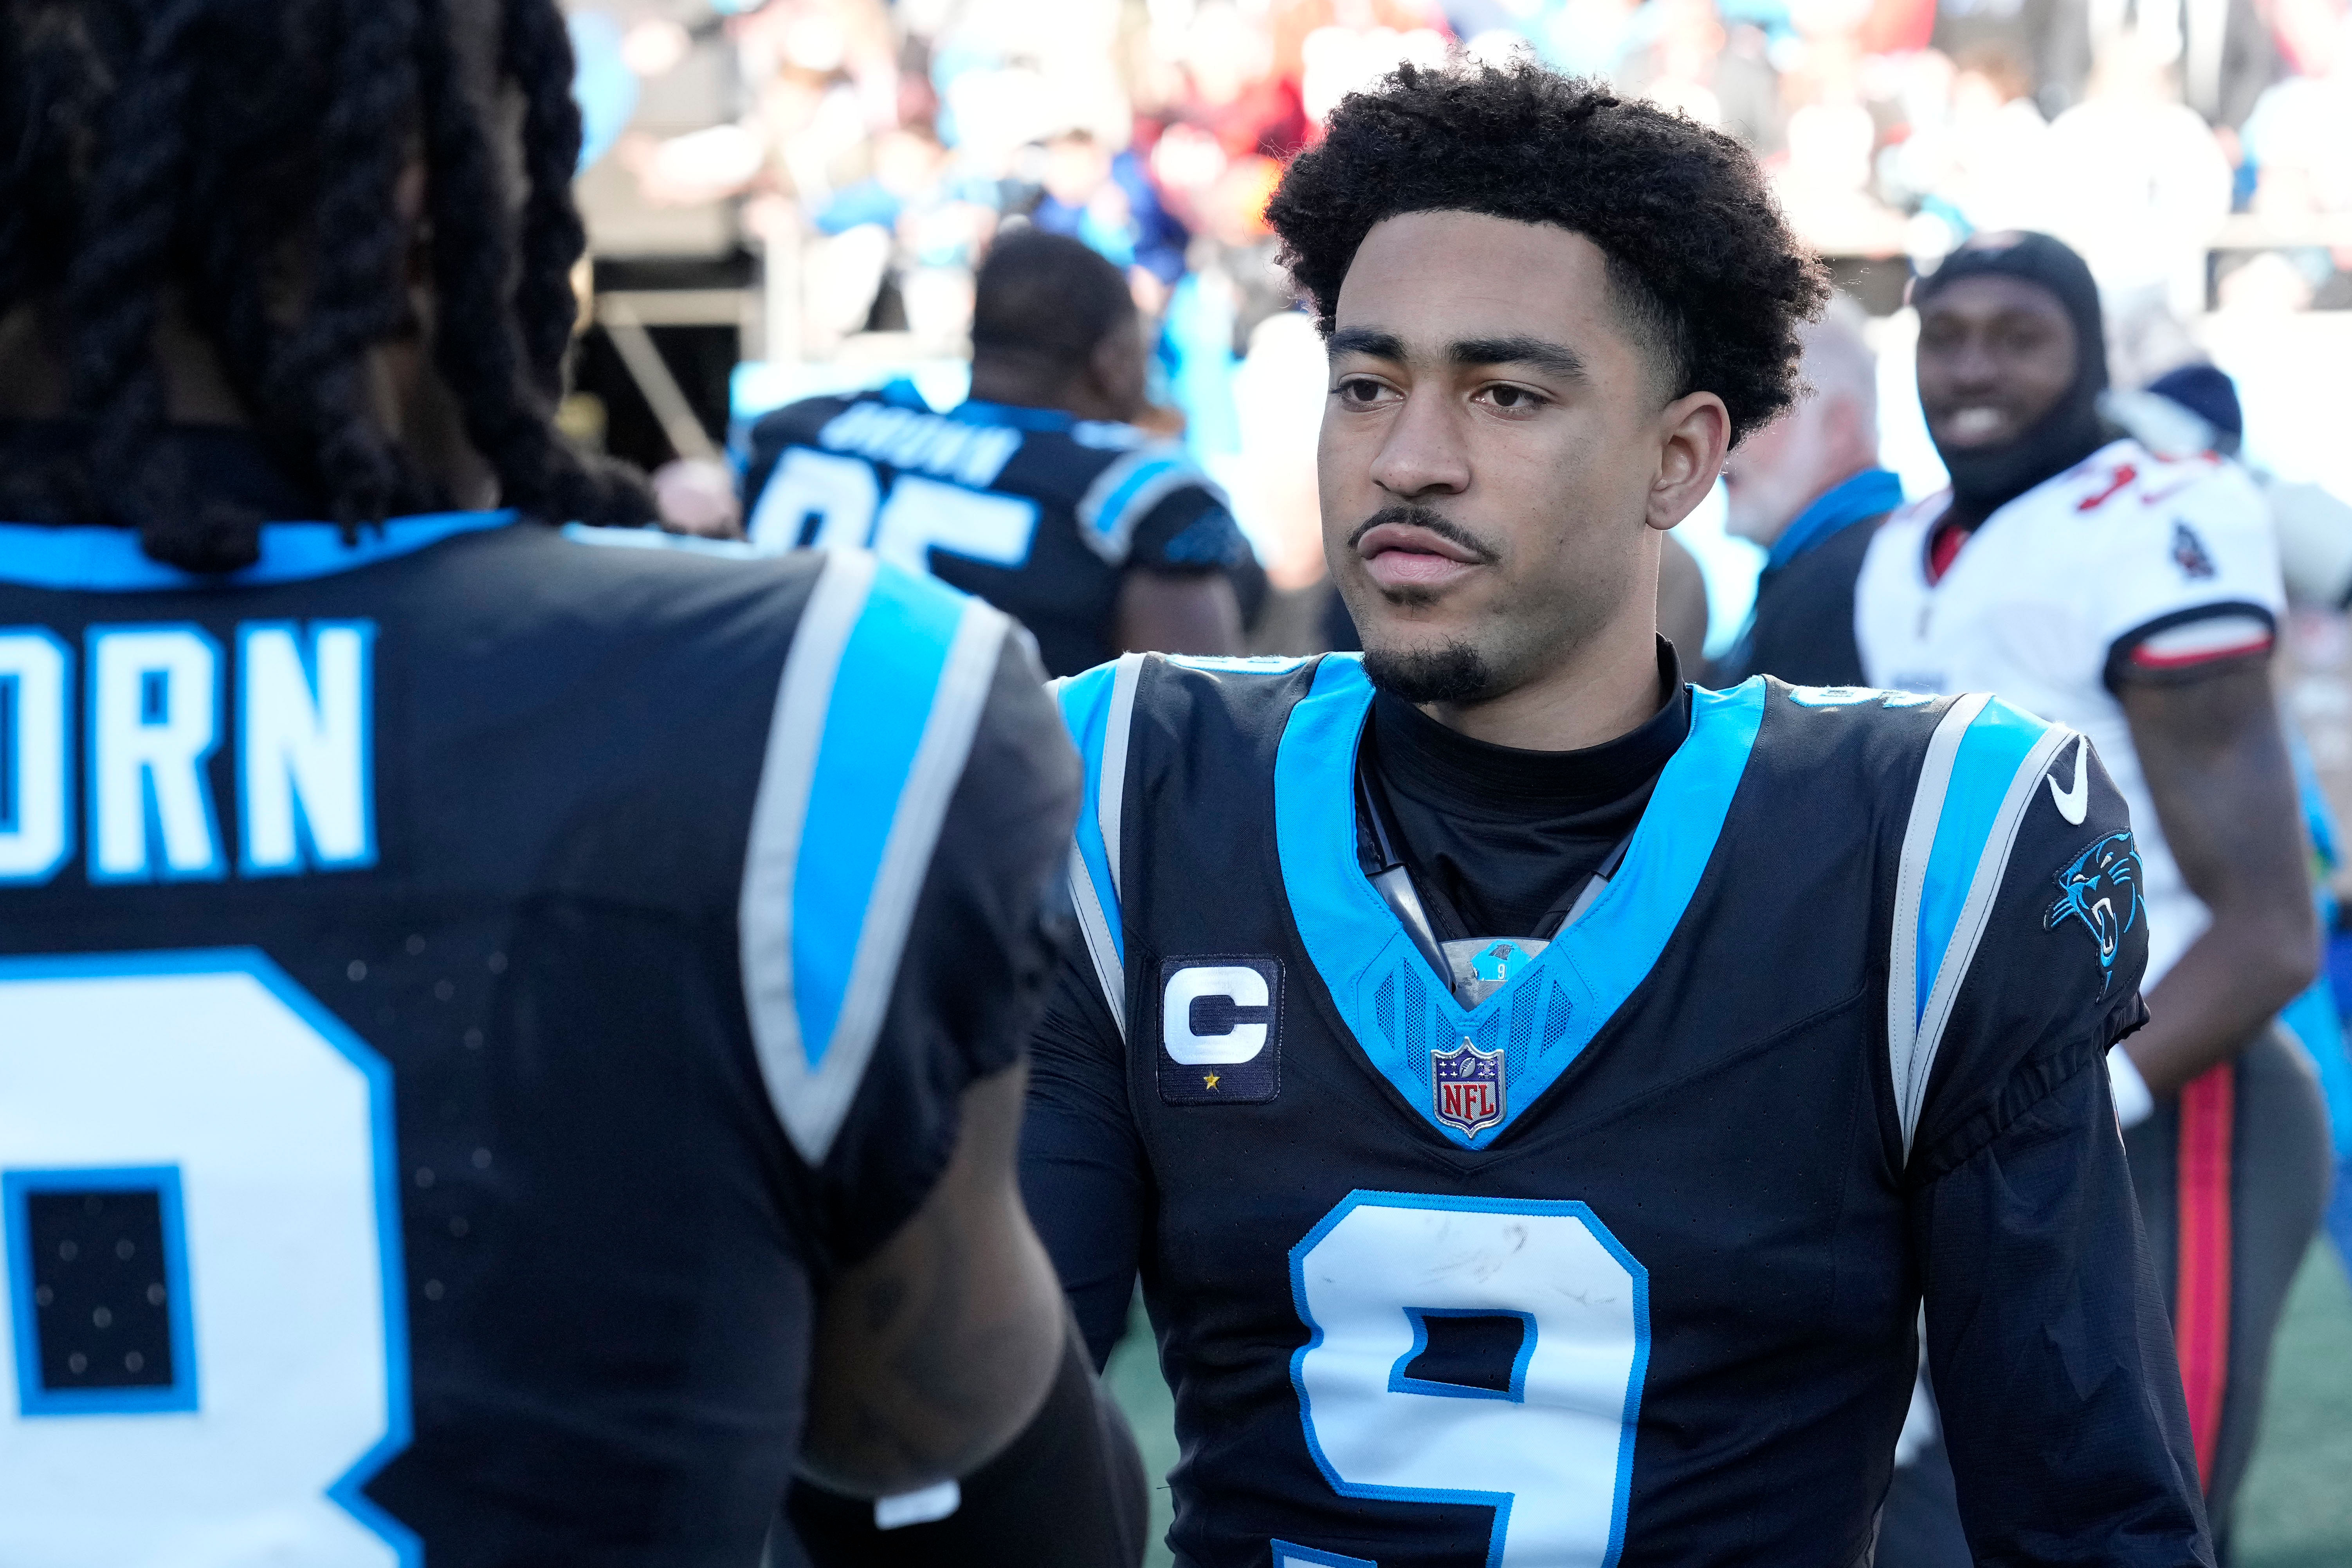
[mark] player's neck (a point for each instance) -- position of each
(1606, 688)
(1020, 387)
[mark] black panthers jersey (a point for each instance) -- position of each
(461, 997)
(1037, 512)
(1623, 1264)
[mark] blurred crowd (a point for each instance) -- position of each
(2198, 153)
(901, 135)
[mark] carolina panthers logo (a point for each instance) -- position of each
(2100, 887)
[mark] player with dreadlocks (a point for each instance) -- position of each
(492, 1073)
(147, 230)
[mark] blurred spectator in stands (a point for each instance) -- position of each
(1807, 487)
(1686, 59)
(1999, 176)
(1825, 183)
(2298, 143)
(903, 240)
(1106, 200)
(1227, 89)
(2139, 183)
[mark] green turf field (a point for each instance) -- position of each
(2296, 1510)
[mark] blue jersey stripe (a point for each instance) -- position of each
(898, 645)
(109, 560)
(1107, 521)
(1086, 701)
(1991, 750)
(1361, 951)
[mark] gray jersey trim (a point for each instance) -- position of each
(1111, 794)
(1910, 885)
(1110, 802)
(812, 1103)
(1130, 488)
(1975, 911)
(1109, 972)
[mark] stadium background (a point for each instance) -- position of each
(790, 198)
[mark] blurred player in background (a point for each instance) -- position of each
(511, 1047)
(1039, 494)
(2135, 597)
(1809, 490)
(1536, 1092)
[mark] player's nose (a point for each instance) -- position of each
(1422, 452)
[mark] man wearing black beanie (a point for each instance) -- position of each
(2133, 597)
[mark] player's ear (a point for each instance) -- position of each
(1694, 437)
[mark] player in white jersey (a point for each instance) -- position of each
(2077, 574)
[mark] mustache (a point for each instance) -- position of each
(1417, 516)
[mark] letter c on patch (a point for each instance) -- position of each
(1240, 986)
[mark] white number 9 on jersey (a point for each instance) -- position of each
(203, 1352)
(1548, 1442)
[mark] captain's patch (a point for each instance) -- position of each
(1219, 1030)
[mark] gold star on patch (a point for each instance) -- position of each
(1209, 1078)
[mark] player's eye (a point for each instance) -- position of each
(1360, 391)
(1511, 399)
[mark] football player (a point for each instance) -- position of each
(1538, 1093)
(1038, 493)
(509, 1046)
(2135, 598)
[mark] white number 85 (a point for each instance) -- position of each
(1554, 1455)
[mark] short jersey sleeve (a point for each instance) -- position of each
(1153, 508)
(2019, 935)
(2190, 574)
(901, 907)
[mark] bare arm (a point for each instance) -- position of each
(1178, 612)
(2225, 797)
(935, 1352)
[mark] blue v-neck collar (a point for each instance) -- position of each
(1395, 1006)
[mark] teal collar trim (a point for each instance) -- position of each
(1399, 1010)
(109, 560)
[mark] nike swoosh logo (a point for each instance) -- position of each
(2073, 803)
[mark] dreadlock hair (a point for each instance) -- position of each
(244, 157)
(1705, 272)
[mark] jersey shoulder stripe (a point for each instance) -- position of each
(1099, 706)
(875, 710)
(1120, 497)
(1982, 766)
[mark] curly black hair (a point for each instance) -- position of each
(1704, 268)
(246, 153)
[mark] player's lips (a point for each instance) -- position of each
(1402, 555)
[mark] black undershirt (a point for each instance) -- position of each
(1495, 836)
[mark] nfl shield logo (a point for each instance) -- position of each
(1469, 1084)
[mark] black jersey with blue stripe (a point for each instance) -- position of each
(1622, 1265)
(1037, 512)
(462, 996)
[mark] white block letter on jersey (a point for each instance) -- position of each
(277, 1121)
(1556, 1461)
(303, 746)
(154, 720)
(1245, 986)
(33, 812)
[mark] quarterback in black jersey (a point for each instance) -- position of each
(509, 1033)
(1038, 494)
(1541, 1096)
